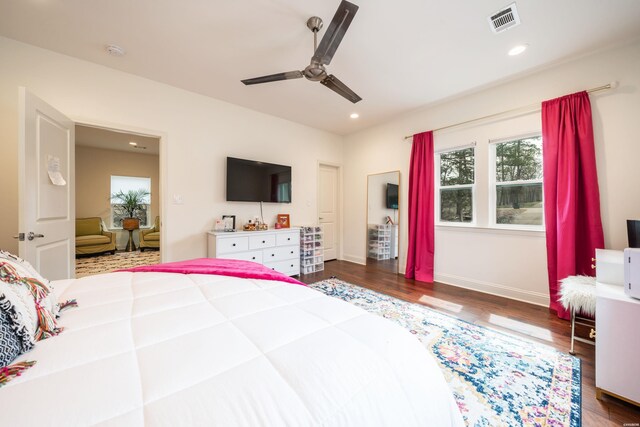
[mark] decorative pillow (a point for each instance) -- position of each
(28, 292)
(25, 269)
(15, 337)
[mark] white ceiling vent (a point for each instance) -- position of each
(504, 19)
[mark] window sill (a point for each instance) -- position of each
(492, 230)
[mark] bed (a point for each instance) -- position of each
(158, 348)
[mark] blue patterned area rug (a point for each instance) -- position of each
(497, 379)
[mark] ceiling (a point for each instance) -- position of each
(398, 56)
(87, 136)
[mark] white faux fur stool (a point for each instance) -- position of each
(578, 294)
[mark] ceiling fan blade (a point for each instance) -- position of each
(335, 32)
(340, 88)
(273, 78)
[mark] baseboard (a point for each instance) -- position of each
(531, 297)
(355, 259)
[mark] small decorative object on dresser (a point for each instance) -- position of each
(311, 250)
(276, 249)
(283, 220)
(229, 222)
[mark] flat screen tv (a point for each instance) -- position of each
(251, 181)
(392, 196)
(633, 232)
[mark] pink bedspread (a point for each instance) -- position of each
(222, 267)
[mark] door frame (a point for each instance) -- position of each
(339, 214)
(163, 148)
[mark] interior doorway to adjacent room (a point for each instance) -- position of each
(110, 161)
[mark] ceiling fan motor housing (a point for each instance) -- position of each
(315, 72)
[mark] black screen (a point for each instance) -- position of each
(392, 196)
(251, 181)
(633, 232)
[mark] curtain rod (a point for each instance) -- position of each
(490, 116)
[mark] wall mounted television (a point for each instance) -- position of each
(252, 181)
(633, 233)
(392, 196)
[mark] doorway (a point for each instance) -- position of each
(109, 162)
(329, 208)
(383, 220)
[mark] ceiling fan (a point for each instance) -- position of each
(323, 54)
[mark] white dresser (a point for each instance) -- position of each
(617, 321)
(276, 249)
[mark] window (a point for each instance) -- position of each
(126, 184)
(517, 183)
(456, 186)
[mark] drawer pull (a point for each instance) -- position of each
(233, 244)
(291, 265)
(593, 267)
(592, 333)
(253, 257)
(273, 254)
(273, 268)
(264, 241)
(288, 238)
(291, 251)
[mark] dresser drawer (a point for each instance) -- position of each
(290, 267)
(281, 253)
(262, 241)
(289, 238)
(255, 256)
(231, 244)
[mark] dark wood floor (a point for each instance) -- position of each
(533, 322)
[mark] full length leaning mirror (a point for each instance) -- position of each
(383, 217)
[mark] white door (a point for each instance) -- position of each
(46, 188)
(328, 209)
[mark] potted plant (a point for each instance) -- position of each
(130, 203)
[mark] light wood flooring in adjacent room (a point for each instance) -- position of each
(523, 319)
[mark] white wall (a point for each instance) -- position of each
(509, 263)
(198, 133)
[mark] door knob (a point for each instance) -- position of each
(19, 236)
(33, 235)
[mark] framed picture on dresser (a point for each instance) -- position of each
(283, 220)
(229, 222)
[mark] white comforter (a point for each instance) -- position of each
(171, 349)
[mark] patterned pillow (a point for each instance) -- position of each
(30, 294)
(15, 337)
(25, 269)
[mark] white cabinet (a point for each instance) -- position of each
(311, 250)
(276, 249)
(617, 321)
(379, 241)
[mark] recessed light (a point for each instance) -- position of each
(133, 143)
(517, 50)
(354, 115)
(115, 50)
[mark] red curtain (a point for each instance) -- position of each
(421, 209)
(571, 195)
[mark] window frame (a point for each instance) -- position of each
(112, 226)
(438, 221)
(494, 184)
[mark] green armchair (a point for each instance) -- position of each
(150, 238)
(91, 238)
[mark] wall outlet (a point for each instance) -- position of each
(177, 199)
